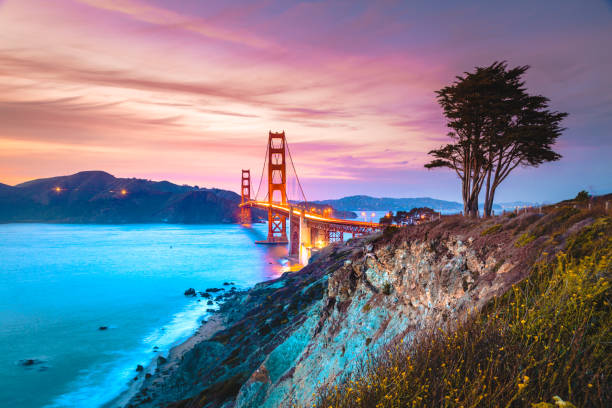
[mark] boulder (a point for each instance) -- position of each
(103, 328)
(210, 303)
(190, 292)
(214, 290)
(139, 368)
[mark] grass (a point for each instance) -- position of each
(492, 230)
(545, 341)
(524, 239)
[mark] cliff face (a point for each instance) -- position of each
(274, 345)
(378, 296)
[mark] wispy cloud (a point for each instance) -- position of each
(192, 88)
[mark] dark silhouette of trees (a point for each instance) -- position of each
(496, 126)
(582, 196)
(409, 217)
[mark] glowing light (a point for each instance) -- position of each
(58, 189)
(123, 191)
(284, 209)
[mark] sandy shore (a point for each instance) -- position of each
(160, 371)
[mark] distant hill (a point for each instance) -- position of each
(336, 213)
(367, 203)
(99, 197)
(363, 202)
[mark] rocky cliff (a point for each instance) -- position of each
(275, 345)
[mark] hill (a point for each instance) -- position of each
(99, 197)
(508, 311)
(367, 203)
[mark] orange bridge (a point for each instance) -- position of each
(308, 227)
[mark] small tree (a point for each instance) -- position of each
(582, 196)
(496, 126)
(387, 219)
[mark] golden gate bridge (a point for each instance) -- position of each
(308, 228)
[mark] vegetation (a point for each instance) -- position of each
(582, 196)
(546, 342)
(524, 239)
(409, 217)
(492, 230)
(495, 127)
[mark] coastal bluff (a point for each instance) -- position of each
(278, 343)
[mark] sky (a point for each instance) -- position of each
(187, 91)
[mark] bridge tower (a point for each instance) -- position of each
(245, 193)
(277, 186)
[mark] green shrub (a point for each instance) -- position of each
(582, 196)
(524, 239)
(390, 231)
(492, 230)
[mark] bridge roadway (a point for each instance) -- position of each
(308, 229)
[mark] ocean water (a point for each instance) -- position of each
(60, 283)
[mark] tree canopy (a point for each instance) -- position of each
(496, 126)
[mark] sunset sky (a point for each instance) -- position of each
(187, 91)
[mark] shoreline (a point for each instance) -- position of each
(158, 368)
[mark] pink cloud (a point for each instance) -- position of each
(190, 89)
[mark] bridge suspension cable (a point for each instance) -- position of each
(300, 195)
(263, 169)
(295, 172)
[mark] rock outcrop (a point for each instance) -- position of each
(274, 345)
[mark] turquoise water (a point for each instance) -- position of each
(60, 283)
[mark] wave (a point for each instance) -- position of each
(103, 382)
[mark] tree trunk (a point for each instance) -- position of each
(489, 203)
(488, 195)
(474, 209)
